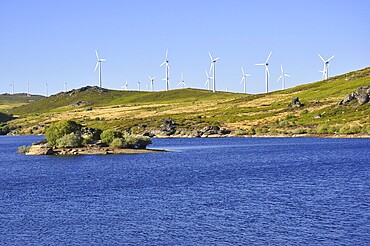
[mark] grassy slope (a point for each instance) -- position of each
(8, 101)
(193, 108)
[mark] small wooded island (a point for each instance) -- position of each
(67, 137)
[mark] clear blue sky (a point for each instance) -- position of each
(54, 41)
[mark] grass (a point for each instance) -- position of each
(194, 109)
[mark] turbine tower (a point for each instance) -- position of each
(28, 89)
(213, 68)
(267, 75)
(325, 71)
(244, 79)
(152, 82)
(12, 85)
(282, 77)
(65, 86)
(46, 89)
(182, 82)
(167, 79)
(138, 85)
(98, 64)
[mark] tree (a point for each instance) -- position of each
(107, 136)
(61, 128)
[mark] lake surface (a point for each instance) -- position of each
(229, 191)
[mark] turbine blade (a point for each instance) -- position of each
(268, 57)
(216, 59)
(102, 60)
(162, 63)
(96, 66)
(210, 56)
(279, 78)
(330, 58)
(241, 81)
(96, 53)
(287, 75)
(243, 71)
(260, 64)
(321, 57)
(154, 78)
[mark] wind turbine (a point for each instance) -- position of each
(244, 79)
(125, 87)
(98, 64)
(182, 82)
(282, 77)
(266, 64)
(12, 85)
(138, 85)
(213, 68)
(152, 82)
(28, 89)
(167, 79)
(65, 86)
(325, 71)
(208, 80)
(46, 89)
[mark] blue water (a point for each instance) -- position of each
(229, 191)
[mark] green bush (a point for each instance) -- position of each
(108, 136)
(240, 132)
(322, 129)
(71, 140)
(366, 129)
(118, 143)
(142, 142)
(23, 149)
(345, 130)
(251, 131)
(59, 129)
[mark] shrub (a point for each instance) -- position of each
(117, 143)
(322, 129)
(240, 132)
(251, 131)
(71, 140)
(345, 130)
(23, 149)
(59, 129)
(262, 130)
(366, 129)
(355, 129)
(107, 136)
(142, 142)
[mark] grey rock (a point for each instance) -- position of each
(363, 98)
(296, 102)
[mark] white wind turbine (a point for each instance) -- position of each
(46, 89)
(125, 87)
(267, 75)
(98, 64)
(244, 79)
(213, 68)
(282, 77)
(325, 71)
(152, 82)
(65, 86)
(167, 79)
(208, 80)
(138, 85)
(12, 85)
(182, 82)
(28, 89)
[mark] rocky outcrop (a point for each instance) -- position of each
(296, 102)
(361, 95)
(168, 127)
(40, 150)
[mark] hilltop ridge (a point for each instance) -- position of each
(192, 111)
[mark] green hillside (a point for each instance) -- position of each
(192, 110)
